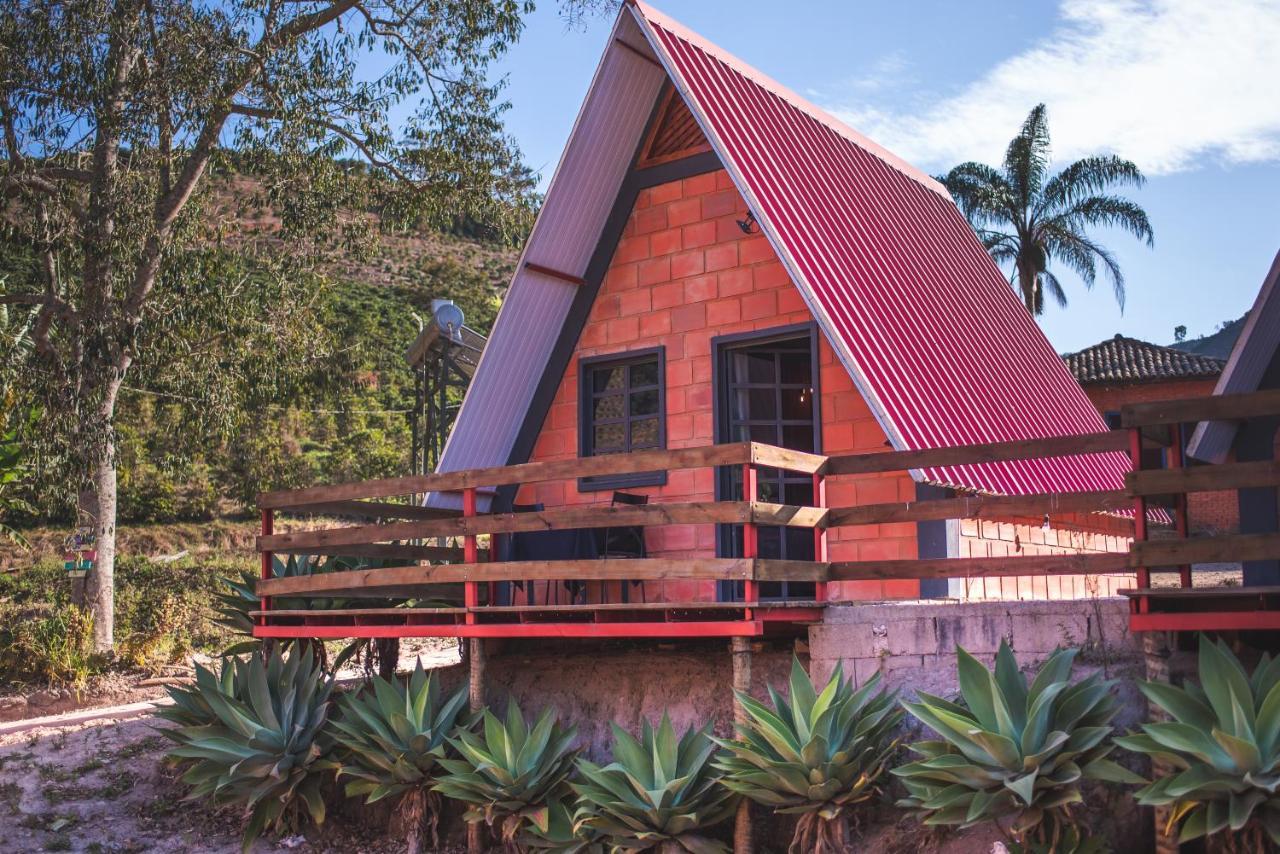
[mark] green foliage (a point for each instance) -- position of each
(560, 836)
(815, 755)
(393, 738)
(659, 792)
(1221, 746)
(508, 772)
(1027, 217)
(51, 646)
(264, 748)
(1012, 752)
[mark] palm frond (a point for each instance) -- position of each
(1110, 211)
(1088, 176)
(1079, 253)
(982, 194)
(1049, 282)
(1026, 161)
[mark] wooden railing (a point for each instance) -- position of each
(1157, 424)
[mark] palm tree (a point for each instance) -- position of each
(1024, 215)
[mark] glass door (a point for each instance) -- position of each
(766, 390)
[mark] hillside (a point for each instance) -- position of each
(1217, 344)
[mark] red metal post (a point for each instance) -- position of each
(268, 528)
(470, 554)
(1180, 520)
(820, 534)
(750, 492)
(1139, 513)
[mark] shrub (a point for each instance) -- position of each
(814, 755)
(264, 749)
(1222, 746)
(52, 645)
(660, 792)
(393, 738)
(1012, 753)
(509, 772)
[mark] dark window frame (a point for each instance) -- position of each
(587, 365)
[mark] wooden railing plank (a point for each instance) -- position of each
(1219, 407)
(614, 464)
(980, 567)
(383, 550)
(401, 578)
(979, 507)
(1204, 478)
(371, 510)
(785, 458)
(1223, 549)
(560, 519)
(1056, 446)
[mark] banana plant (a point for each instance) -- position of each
(1012, 753)
(509, 772)
(1219, 751)
(660, 793)
(393, 737)
(264, 749)
(813, 755)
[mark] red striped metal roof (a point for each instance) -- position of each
(927, 325)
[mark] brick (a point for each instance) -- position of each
(735, 282)
(606, 306)
(753, 250)
(665, 242)
(635, 301)
(688, 264)
(698, 234)
(668, 192)
(770, 276)
(684, 212)
(621, 276)
(679, 373)
(655, 323)
(687, 317)
(789, 300)
(722, 257)
(724, 181)
(650, 220)
(700, 289)
(759, 305)
(668, 295)
(722, 311)
(719, 204)
(698, 185)
(623, 329)
(679, 426)
(701, 368)
(631, 249)
(653, 271)
(728, 230)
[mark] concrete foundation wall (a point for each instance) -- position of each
(914, 644)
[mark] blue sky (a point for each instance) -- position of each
(1186, 94)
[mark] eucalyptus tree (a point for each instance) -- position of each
(1028, 217)
(115, 114)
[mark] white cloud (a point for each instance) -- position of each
(1166, 83)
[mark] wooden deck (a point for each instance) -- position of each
(437, 552)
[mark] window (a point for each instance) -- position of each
(622, 408)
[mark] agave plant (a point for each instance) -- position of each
(191, 707)
(1012, 753)
(1222, 744)
(815, 755)
(264, 747)
(659, 793)
(509, 772)
(560, 836)
(393, 738)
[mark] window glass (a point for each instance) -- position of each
(623, 405)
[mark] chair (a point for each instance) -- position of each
(625, 542)
(569, 544)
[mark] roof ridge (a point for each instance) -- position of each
(764, 81)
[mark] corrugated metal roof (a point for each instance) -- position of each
(922, 318)
(1128, 360)
(1254, 352)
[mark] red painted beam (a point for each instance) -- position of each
(718, 629)
(1171, 621)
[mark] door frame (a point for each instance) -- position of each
(720, 403)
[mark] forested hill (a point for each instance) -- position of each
(255, 377)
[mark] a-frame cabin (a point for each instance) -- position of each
(718, 260)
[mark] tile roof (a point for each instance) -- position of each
(1128, 360)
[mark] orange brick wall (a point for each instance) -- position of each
(683, 273)
(1207, 512)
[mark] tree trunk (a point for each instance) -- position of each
(86, 515)
(99, 592)
(1027, 285)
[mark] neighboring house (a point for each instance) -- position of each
(1123, 370)
(718, 260)
(1254, 365)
